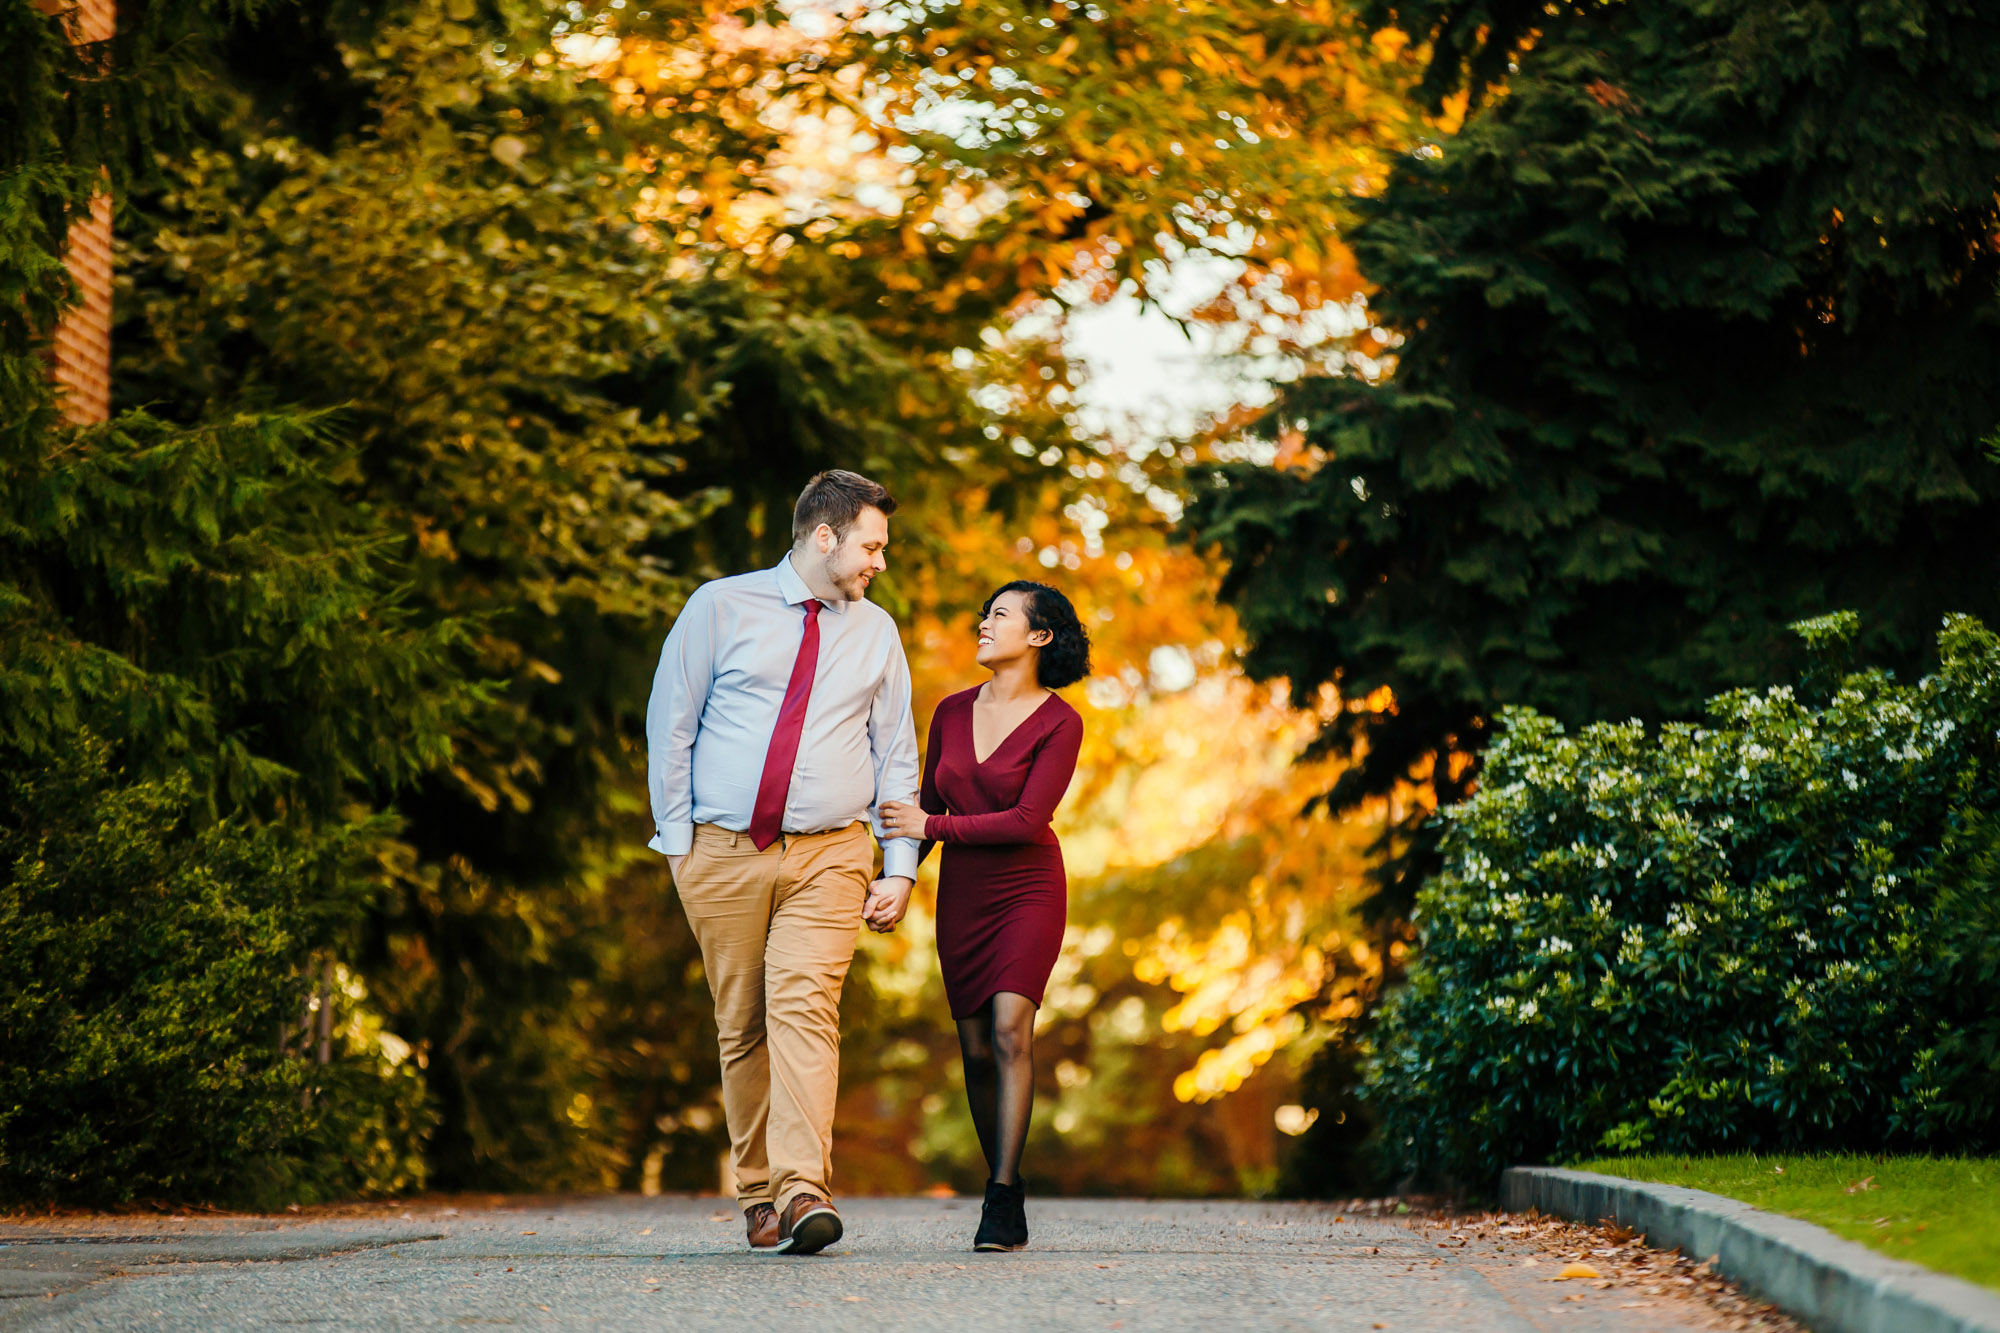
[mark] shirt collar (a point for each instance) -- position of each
(795, 592)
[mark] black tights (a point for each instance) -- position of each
(998, 1044)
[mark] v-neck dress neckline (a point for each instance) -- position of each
(972, 726)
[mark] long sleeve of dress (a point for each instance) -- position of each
(1047, 780)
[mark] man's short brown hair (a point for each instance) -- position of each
(836, 498)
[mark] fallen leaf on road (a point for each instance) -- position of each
(542, 1307)
(1575, 1270)
(854, 1298)
(647, 1232)
(527, 1233)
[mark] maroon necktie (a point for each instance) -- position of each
(767, 819)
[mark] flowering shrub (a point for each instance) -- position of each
(1775, 930)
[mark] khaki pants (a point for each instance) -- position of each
(777, 930)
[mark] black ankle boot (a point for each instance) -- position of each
(1003, 1221)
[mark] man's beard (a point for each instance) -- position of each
(852, 588)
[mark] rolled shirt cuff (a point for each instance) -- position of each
(899, 858)
(673, 839)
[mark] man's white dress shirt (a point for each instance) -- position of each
(721, 679)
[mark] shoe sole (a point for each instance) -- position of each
(812, 1233)
(990, 1248)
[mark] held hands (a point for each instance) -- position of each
(903, 819)
(888, 899)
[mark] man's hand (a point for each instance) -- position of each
(903, 819)
(674, 864)
(888, 899)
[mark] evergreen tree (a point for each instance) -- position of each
(208, 686)
(1692, 332)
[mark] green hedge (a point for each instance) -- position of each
(1775, 930)
(152, 1000)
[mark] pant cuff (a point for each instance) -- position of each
(797, 1188)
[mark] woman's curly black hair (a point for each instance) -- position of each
(1065, 658)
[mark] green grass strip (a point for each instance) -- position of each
(1941, 1212)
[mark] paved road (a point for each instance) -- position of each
(623, 1262)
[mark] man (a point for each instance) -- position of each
(780, 718)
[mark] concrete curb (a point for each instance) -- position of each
(1830, 1284)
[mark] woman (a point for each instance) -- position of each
(999, 760)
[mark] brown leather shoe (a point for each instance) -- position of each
(807, 1225)
(761, 1219)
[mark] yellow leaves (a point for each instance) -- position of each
(1389, 43)
(1222, 1071)
(1207, 57)
(1381, 699)
(1276, 109)
(1572, 1271)
(1120, 150)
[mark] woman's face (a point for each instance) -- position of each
(1004, 635)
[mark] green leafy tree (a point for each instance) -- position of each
(1688, 334)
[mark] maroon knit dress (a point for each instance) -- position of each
(1002, 893)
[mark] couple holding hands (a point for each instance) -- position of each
(779, 730)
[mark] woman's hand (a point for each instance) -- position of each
(888, 899)
(903, 820)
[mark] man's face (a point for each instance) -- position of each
(852, 563)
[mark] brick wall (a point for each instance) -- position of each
(83, 340)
